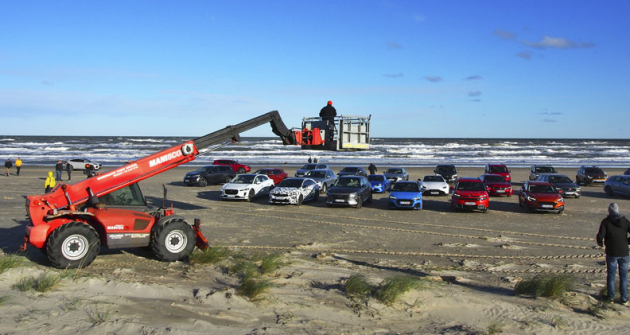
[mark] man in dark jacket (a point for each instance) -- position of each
(58, 169)
(328, 114)
(8, 165)
(372, 168)
(69, 169)
(613, 232)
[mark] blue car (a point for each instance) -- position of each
(379, 183)
(406, 194)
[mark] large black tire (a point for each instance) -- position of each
(173, 240)
(250, 195)
(324, 188)
(203, 182)
(316, 196)
(241, 170)
(608, 191)
(359, 202)
(73, 245)
(300, 200)
(369, 199)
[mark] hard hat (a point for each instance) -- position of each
(330, 103)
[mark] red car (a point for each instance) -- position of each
(540, 196)
(499, 169)
(236, 166)
(277, 175)
(470, 193)
(496, 185)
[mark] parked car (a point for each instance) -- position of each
(434, 185)
(277, 175)
(379, 183)
(587, 175)
(496, 184)
(406, 194)
(349, 191)
(470, 193)
(396, 174)
(352, 171)
(308, 167)
(81, 164)
(618, 185)
(448, 171)
(562, 183)
(627, 172)
(236, 166)
(540, 196)
(211, 174)
(294, 191)
(324, 178)
(499, 169)
(537, 169)
(247, 187)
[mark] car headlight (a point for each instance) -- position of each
(589, 177)
(455, 195)
(392, 197)
(379, 185)
(561, 199)
(578, 189)
(352, 195)
(245, 190)
(417, 198)
(531, 198)
(483, 197)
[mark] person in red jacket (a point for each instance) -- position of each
(613, 233)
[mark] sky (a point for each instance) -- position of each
(456, 69)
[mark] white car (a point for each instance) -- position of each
(80, 163)
(434, 185)
(247, 187)
(294, 191)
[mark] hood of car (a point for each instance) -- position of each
(236, 186)
(343, 190)
(285, 190)
(376, 182)
(546, 196)
(498, 184)
(194, 173)
(394, 175)
(471, 193)
(504, 174)
(435, 184)
(405, 195)
(565, 185)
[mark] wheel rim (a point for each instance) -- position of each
(203, 182)
(176, 241)
(75, 247)
(324, 187)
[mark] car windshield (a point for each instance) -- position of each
(244, 179)
(494, 179)
(263, 172)
(374, 177)
(309, 167)
(395, 171)
(203, 169)
(350, 169)
(432, 178)
(541, 189)
(446, 169)
(594, 171)
(497, 168)
(560, 179)
(470, 186)
(545, 169)
(316, 174)
(405, 187)
(290, 183)
(348, 182)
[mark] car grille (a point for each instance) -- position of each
(407, 203)
(469, 198)
(547, 203)
(231, 191)
(338, 196)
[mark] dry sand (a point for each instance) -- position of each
(475, 260)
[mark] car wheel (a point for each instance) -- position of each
(485, 210)
(369, 199)
(359, 202)
(520, 203)
(227, 179)
(608, 191)
(316, 196)
(241, 170)
(250, 195)
(328, 205)
(300, 200)
(577, 180)
(324, 188)
(203, 182)
(560, 211)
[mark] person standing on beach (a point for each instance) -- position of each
(18, 165)
(58, 169)
(69, 169)
(613, 232)
(50, 182)
(8, 165)
(372, 168)
(310, 159)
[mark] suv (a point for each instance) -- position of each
(301, 172)
(536, 170)
(470, 193)
(277, 175)
(352, 171)
(236, 166)
(448, 171)
(499, 169)
(587, 175)
(211, 174)
(540, 196)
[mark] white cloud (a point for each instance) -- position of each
(557, 43)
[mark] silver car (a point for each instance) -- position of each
(563, 183)
(396, 174)
(309, 167)
(618, 185)
(324, 178)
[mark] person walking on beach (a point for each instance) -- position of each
(69, 169)
(58, 169)
(18, 165)
(8, 165)
(372, 168)
(613, 233)
(50, 182)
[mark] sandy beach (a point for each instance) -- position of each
(473, 261)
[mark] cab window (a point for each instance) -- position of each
(126, 196)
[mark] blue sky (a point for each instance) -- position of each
(540, 69)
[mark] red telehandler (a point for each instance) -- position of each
(71, 222)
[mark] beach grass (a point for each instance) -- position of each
(392, 288)
(270, 263)
(10, 261)
(550, 286)
(43, 283)
(96, 315)
(3, 299)
(209, 256)
(358, 287)
(253, 287)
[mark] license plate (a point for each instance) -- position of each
(435, 192)
(405, 202)
(339, 200)
(500, 191)
(547, 206)
(186, 180)
(469, 203)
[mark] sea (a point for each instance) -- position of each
(116, 150)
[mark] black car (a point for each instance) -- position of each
(448, 171)
(562, 183)
(587, 175)
(352, 171)
(627, 172)
(536, 170)
(349, 191)
(211, 174)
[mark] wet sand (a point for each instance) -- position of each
(479, 257)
